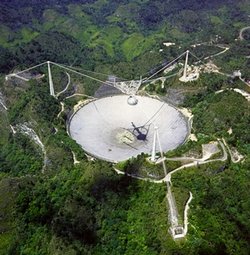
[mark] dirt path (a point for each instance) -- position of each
(248, 84)
(243, 93)
(75, 159)
(234, 155)
(195, 162)
(66, 87)
(224, 49)
(186, 213)
(167, 178)
(62, 109)
(173, 213)
(240, 91)
(242, 31)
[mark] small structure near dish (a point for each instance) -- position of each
(132, 100)
(117, 128)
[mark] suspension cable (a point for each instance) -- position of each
(148, 121)
(30, 68)
(199, 59)
(84, 70)
(165, 66)
(84, 75)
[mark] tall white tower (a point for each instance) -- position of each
(51, 85)
(184, 76)
(185, 66)
(153, 155)
(156, 140)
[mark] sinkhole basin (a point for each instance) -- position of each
(113, 130)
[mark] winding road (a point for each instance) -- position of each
(224, 49)
(196, 162)
(242, 31)
(66, 87)
(167, 179)
(62, 109)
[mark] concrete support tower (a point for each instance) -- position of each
(156, 140)
(185, 66)
(153, 155)
(51, 85)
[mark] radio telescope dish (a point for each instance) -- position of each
(110, 129)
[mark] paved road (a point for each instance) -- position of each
(170, 198)
(167, 178)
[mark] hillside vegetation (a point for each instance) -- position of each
(49, 204)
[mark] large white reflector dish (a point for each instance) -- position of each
(111, 129)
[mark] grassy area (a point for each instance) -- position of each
(9, 39)
(28, 35)
(52, 19)
(135, 45)
(131, 47)
(215, 20)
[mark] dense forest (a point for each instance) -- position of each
(51, 205)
